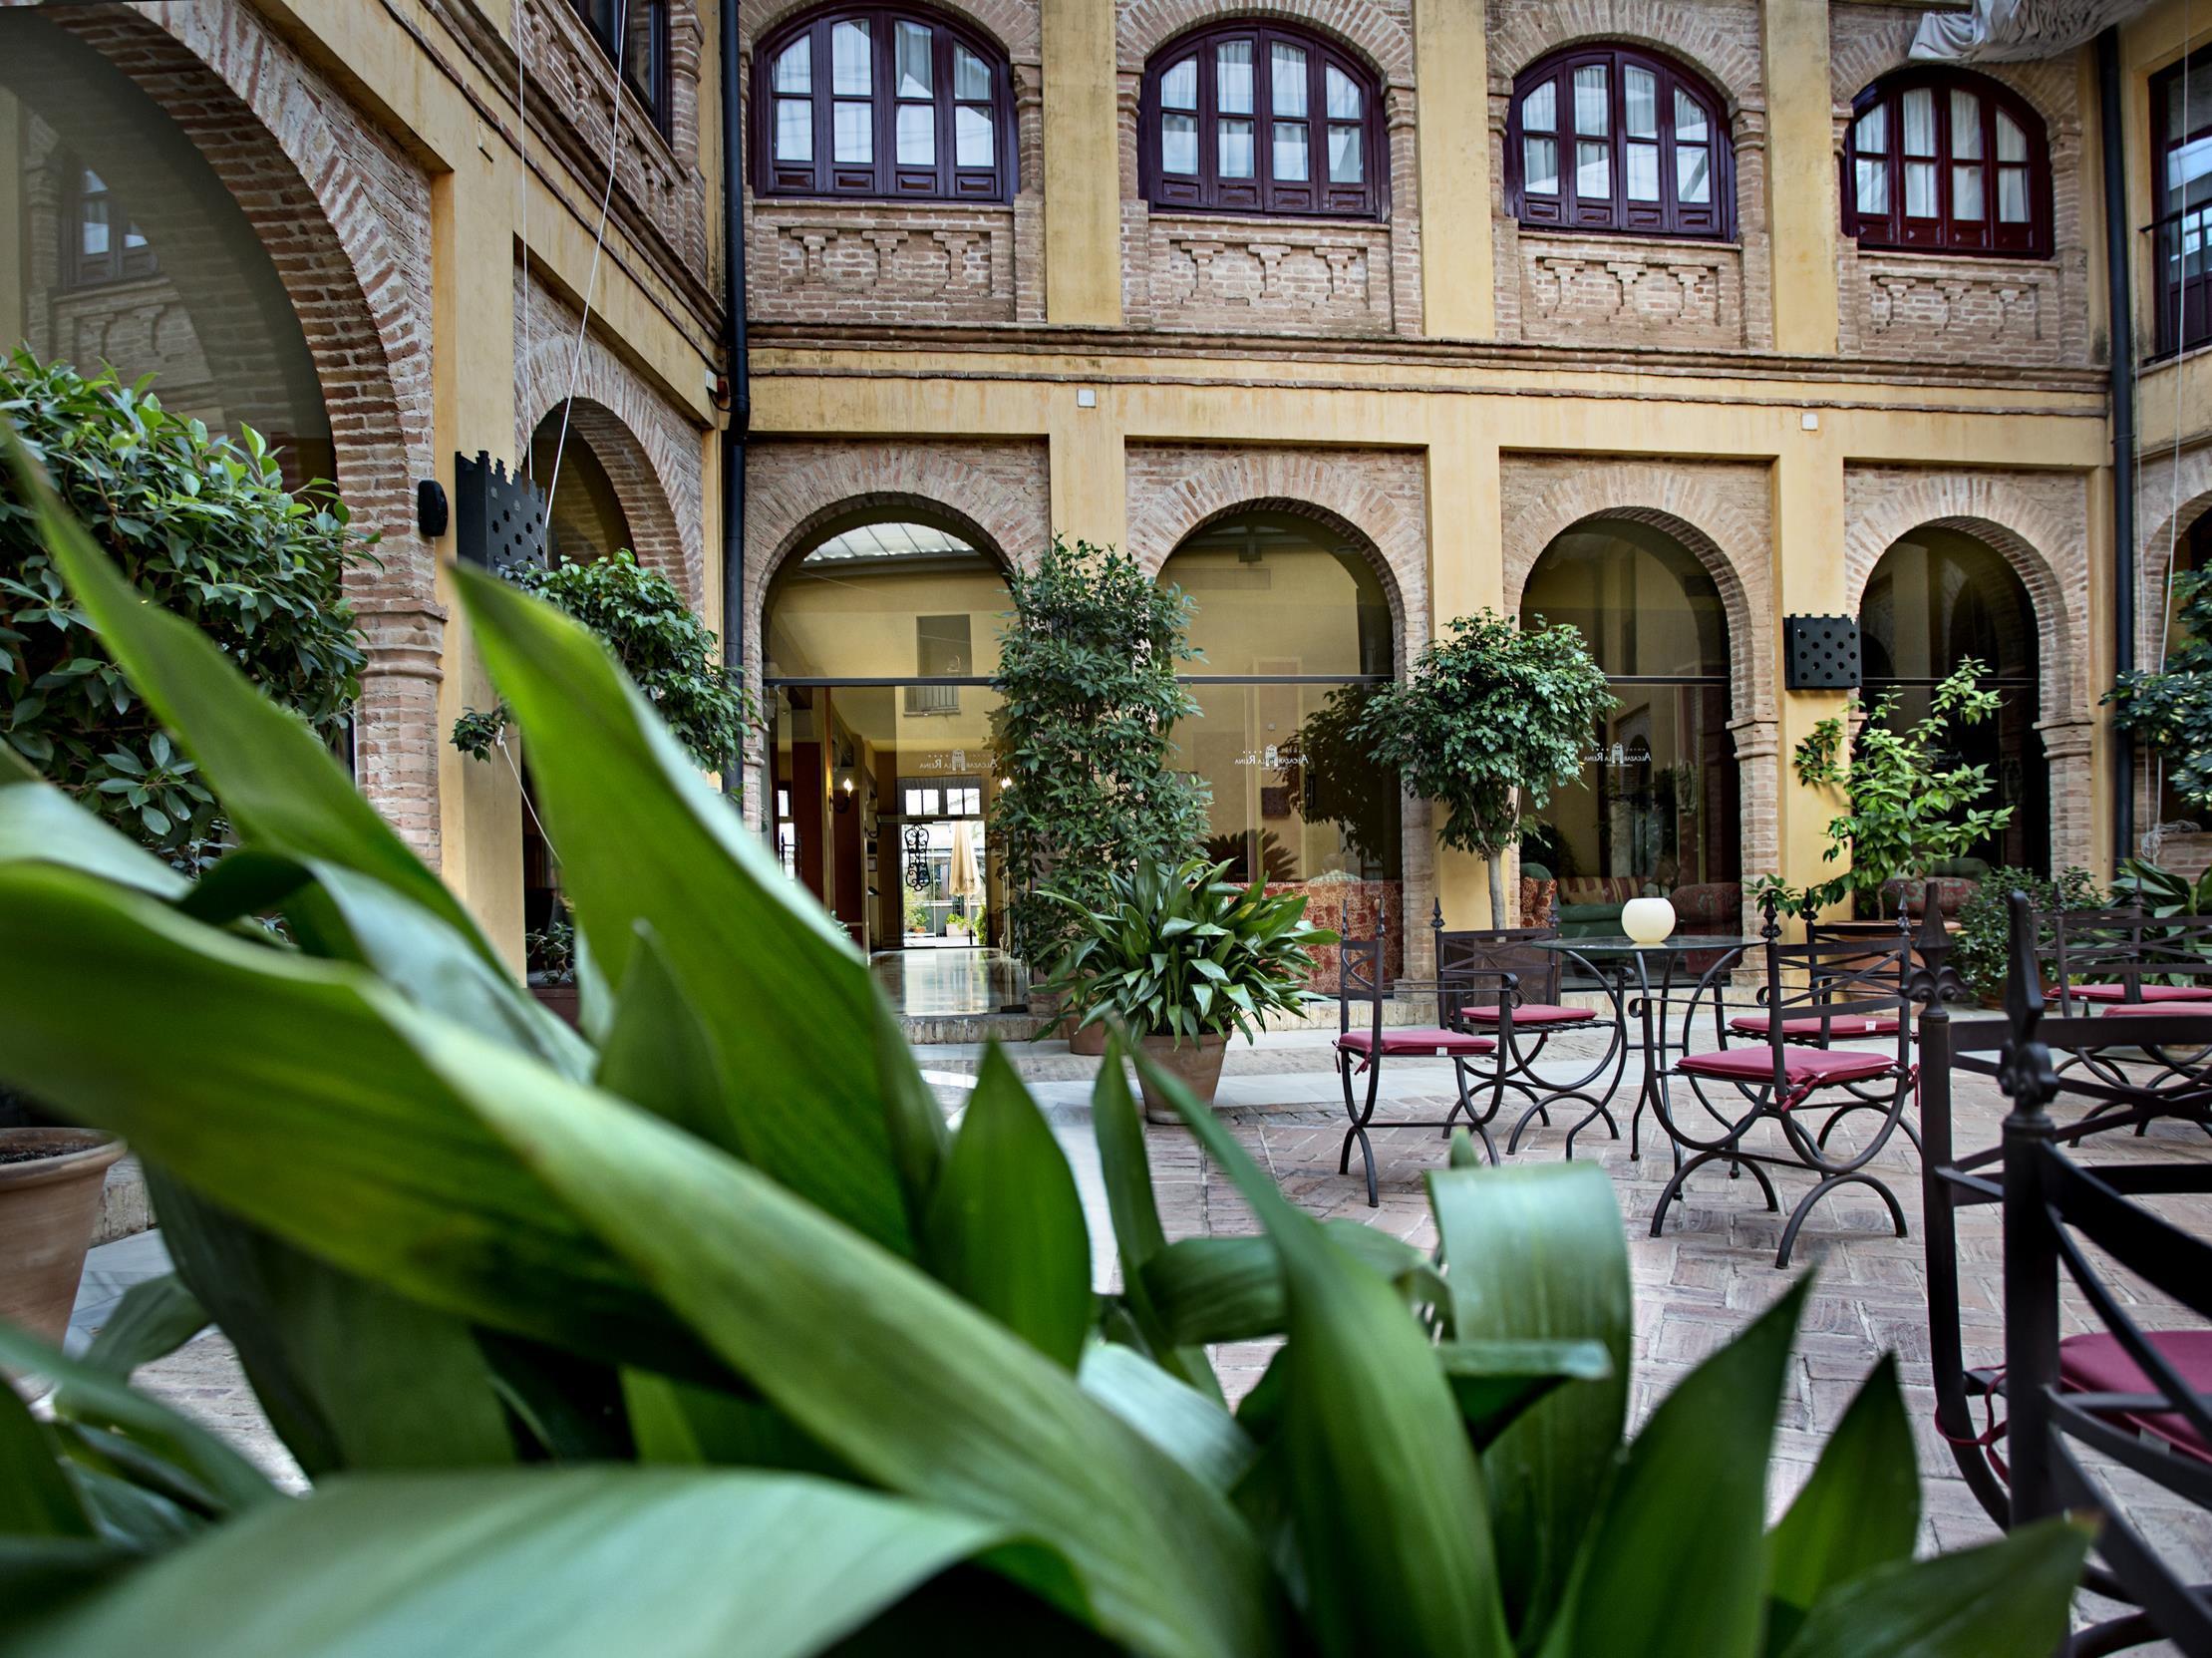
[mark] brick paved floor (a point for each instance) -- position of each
(1708, 1273)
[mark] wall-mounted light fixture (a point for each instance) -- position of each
(844, 780)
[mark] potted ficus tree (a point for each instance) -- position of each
(1088, 693)
(203, 526)
(1181, 958)
(1493, 718)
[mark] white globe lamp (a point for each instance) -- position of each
(1648, 920)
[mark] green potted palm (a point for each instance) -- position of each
(1181, 958)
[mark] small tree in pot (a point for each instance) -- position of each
(1181, 958)
(1493, 717)
(1908, 805)
(1088, 689)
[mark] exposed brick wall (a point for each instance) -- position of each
(1722, 512)
(910, 263)
(343, 215)
(1637, 290)
(1377, 499)
(2033, 313)
(650, 450)
(810, 259)
(1679, 294)
(1719, 41)
(658, 177)
(2038, 522)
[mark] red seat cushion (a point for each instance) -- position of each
(1532, 1013)
(1796, 1026)
(2099, 1364)
(2148, 992)
(2191, 1009)
(1431, 1040)
(1805, 1067)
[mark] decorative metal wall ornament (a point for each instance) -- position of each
(500, 522)
(1821, 653)
(917, 859)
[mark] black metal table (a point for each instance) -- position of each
(1633, 963)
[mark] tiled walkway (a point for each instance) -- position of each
(1705, 1277)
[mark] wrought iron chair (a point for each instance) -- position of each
(2140, 1398)
(2124, 963)
(1500, 982)
(1836, 985)
(1361, 979)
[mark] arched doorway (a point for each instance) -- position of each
(1656, 811)
(587, 520)
(1294, 632)
(1937, 599)
(882, 633)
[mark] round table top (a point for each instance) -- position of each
(1680, 943)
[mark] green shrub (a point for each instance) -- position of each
(792, 1363)
(668, 652)
(201, 525)
(1907, 807)
(1175, 950)
(2168, 710)
(1088, 693)
(1979, 949)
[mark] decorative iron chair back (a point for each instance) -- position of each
(2059, 1218)
(2126, 948)
(1826, 988)
(1362, 975)
(1484, 966)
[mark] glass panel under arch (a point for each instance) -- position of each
(1294, 632)
(878, 769)
(1938, 597)
(1655, 811)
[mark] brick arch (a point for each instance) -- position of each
(2029, 538)
(1017, 25)
(1731, 550)
(1306, 485)
(1863, 54)
(1693, 34)
(655, 536)
(651, 452)
(344, 216)
(1370, 33)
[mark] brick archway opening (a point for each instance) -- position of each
(333, 211)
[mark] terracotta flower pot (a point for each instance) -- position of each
(1091, 1039)
(1197, 1066)
(49, 1202)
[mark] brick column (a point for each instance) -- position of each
(2073, 794)
(397, 736)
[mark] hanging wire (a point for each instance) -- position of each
(598, 244)
(522, 190)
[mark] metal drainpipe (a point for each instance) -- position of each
(740, 377)
(2119, 288)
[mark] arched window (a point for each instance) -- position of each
(872, 101)
(2181, 179)
(1250, 120)
(1944, 160)
(1606, 137)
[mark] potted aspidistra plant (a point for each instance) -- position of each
(1182, 959)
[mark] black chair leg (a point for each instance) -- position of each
(1804, 1208)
